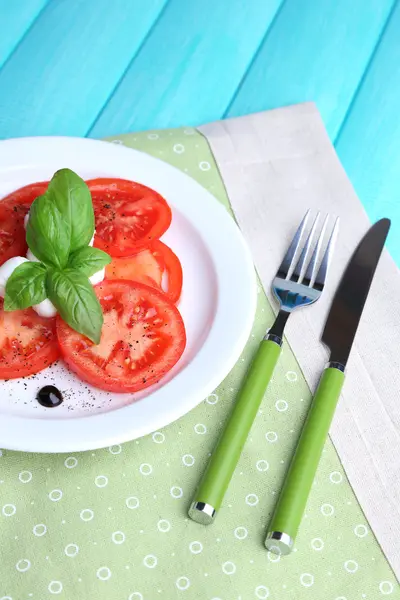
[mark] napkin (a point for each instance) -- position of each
(113, 523)
(280, 163)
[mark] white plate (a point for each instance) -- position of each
(218, 304)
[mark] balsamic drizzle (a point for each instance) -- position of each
(49, 396)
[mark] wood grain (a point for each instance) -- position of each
(369, 142)
(315, 51)
(16, 16)
(65, 68)
(189, 67)
(95, 67)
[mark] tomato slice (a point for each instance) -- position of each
(28, 343)
(128, 215)
(143, 336)
(13, 209)
(156, 266)
(142, 267)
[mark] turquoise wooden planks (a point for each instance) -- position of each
(16, 16)
(369, 142)
(315, 51)
(189, 67)
(63, 71)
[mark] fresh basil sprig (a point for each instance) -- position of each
(73, 296)
(60, 227)
(48, 232)
(62, 220)
(26, 286)
(72, 197)
(88, 260)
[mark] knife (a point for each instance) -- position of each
(338, 335)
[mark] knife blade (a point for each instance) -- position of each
(351, 295)
(338, 335)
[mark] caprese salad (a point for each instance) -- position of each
(84, 277)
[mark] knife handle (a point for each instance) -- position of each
(300, 476)
(224, 459)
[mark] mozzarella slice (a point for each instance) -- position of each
(45, 309)
(7, 269)
(97, 277)
(30, 256)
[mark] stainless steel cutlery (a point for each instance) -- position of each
(299, 282)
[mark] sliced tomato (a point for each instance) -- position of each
(13, 209)
(128, 215)
(173, 269)
(156, 266)
(143, 337)
(142, 267)
(28, 343)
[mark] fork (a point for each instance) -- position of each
(299, 282)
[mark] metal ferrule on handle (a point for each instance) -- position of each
(299, 479)
(224, 459)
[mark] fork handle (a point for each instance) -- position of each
(299, 479)
(225, 457)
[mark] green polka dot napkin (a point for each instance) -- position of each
(112, 524)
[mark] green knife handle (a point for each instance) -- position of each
(229, 447)
(299, 479)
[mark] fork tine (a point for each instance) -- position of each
(286, 264)
(309, 277)
(321, 276)
(297, 274)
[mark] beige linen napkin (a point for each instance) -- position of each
(275, 165)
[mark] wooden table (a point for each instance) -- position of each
(99, 67)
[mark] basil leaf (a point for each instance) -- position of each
(73, 295)
(73, 199)
(48, 233)
(26, 286)
(89, 260)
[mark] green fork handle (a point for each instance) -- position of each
(225, 457)
(299, 479)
